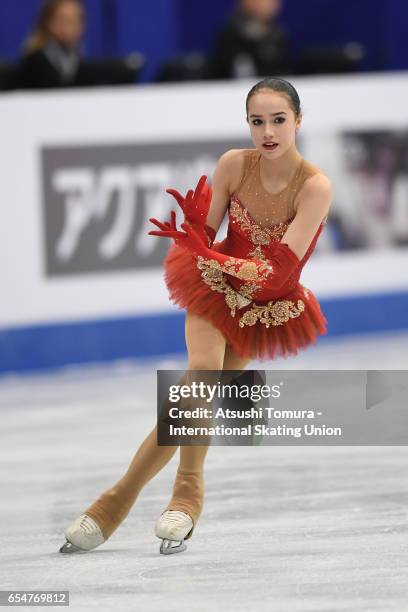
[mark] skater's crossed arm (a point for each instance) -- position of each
(286, 255)
(209, 207)
(314, 203)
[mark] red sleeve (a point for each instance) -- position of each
(271, 273)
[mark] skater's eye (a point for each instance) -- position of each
(276, 120)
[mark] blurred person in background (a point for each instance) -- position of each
(51, 53)
(252, 43)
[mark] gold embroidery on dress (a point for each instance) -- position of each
(246, 271)
(248, 289)
(272, 313)
(258, 235)
(215, 278)
(257, 253)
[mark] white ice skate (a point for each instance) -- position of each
(172, 527)
(83, 535)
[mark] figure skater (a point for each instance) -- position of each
(242, 295)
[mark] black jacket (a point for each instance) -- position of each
(249, 48)
(37, 71)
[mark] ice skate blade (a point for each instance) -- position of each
(69, 548)
(166, 547)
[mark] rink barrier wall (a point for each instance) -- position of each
(77, 194)
(79, 272)
(44, 347)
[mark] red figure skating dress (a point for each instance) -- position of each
(258, 323)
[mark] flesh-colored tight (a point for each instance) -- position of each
(207, 350)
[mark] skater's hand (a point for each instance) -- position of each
(168, 229)
(195, 205)
(166, 226)
(195, 239)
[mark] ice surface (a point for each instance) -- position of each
(285, 529)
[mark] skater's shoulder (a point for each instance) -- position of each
(315, 191)
(310, 170)
(234, 163)
(232, 158)
(315, 181)
(238, 156)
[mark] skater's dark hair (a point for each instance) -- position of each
(281, 86)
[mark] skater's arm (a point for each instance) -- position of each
(285, 256)
(225, 178)
(314, 203)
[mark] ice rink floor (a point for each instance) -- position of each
(284, 529)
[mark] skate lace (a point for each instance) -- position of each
(177, 518)
(87, 524)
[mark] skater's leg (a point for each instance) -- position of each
(103, 516)
(234, 361)
(206, 349)
(100, 520)
(192, 457)
(189, 485)
(112, 507)
(205, 344)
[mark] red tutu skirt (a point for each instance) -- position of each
(188, 290)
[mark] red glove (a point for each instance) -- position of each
(168, 229)
(271, 274)
(195, 207)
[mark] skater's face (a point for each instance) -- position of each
(272, 120)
